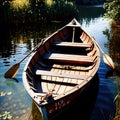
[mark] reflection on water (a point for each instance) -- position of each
(16, 43)
(5, 41)
(114, 44)
(105, 107)
(89, 14)
(9, 38)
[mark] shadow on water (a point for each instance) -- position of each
(13, 80)
(80, 109)
(113, 73)
(88, 14)
(5, 41)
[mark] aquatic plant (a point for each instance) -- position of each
(5, 93)
(117, 102)
(6, 116)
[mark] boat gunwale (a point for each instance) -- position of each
(77, 87)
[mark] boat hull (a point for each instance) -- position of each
(61, 68)
(55, 109)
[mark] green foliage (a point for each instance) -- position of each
(20, 4)
(61, 10)
(6, 116)
(37, 11)
(112, 8)
(36, 115)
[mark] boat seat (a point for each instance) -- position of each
(61, 75)
(69, 58)
(73, 44)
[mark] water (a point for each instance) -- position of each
(96, 104)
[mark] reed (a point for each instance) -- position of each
(117, 102)
(20, 4)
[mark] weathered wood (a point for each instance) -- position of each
(49, 73)
(73, 44)
(58, 82)
(64, 66)
(72, 67)
(69, 58)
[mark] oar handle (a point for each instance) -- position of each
(97, 44)
(107, 59)
(31, 51)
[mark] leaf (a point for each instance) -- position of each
(6, 116)
(9, 117)
(2, 93)
(9, 93)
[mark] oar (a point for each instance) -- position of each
(12, 71)
(73, 34)
(106, 58)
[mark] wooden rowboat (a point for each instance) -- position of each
(61, 68)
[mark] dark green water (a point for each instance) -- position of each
(15, 44)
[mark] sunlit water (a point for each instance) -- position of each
(14, 98)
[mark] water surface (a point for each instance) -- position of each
(98, 101)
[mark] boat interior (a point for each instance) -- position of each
(64, 60)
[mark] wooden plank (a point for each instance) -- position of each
(65, 80)
(72, 44)
(72, 67)
(60, 80)
(53, 79)
(56, 74)
(68, 58)
(83, 36)
(57, 84)
(44, 87)
(69, 80)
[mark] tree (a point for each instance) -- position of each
(38, 10)
(112, 8)
(62, 9)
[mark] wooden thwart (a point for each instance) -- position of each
(58, 82)
(69, 58)
(49, 73)
(70, 67)
(72, 44)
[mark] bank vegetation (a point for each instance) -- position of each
(17, 12)
(36, 11)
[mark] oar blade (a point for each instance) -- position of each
(108, 61)
(12, 71)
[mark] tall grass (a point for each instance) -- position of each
(49, 2)
(20, 4)
(117, 102)
(37, 11)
